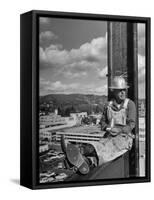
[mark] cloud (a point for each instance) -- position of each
(47, 35)
(56, 87)
(71, 75)
(141, 90)
(42, 55)
(141, 38)
(82, 66)
(54, 55)
(89, 56)
(90, 52)
(141, 61)
(101, 90)
(94, 89)
(44, 20)
(79, 69)
(141, 68)
(43, 84)
(102, 72)
(141, 30)
(141, 76)
(63, 87)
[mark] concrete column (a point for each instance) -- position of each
(117, 49)
(122, 60)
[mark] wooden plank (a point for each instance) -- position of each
(97, 135)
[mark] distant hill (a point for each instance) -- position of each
(74, 102)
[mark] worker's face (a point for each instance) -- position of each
(120, 94)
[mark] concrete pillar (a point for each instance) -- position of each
(117, 49)
(122, 60)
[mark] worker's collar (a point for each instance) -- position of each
(117, 106)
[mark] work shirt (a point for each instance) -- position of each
(130, 116)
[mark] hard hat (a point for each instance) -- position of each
(118, 83)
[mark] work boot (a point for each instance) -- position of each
(75, 157)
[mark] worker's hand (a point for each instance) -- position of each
(108, 128)
(115, 131)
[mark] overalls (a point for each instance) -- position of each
(112, 147)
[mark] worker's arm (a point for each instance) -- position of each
(103, 121)
(131, 117)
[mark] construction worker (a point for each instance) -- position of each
(119, 114)
(117, 122)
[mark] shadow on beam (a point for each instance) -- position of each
(111, 170)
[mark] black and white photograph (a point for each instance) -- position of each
(92, 100)
(76, 100)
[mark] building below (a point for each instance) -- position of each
(43, 148)
(51, 120)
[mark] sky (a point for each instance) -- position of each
(73, 56)
(141, 60)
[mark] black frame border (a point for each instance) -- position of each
(29, 98)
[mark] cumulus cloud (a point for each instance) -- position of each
(46, 38)
(102, 72)
(54, 55)
(42, 55)
(76, 61)
(91, 52)
(47, 35)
